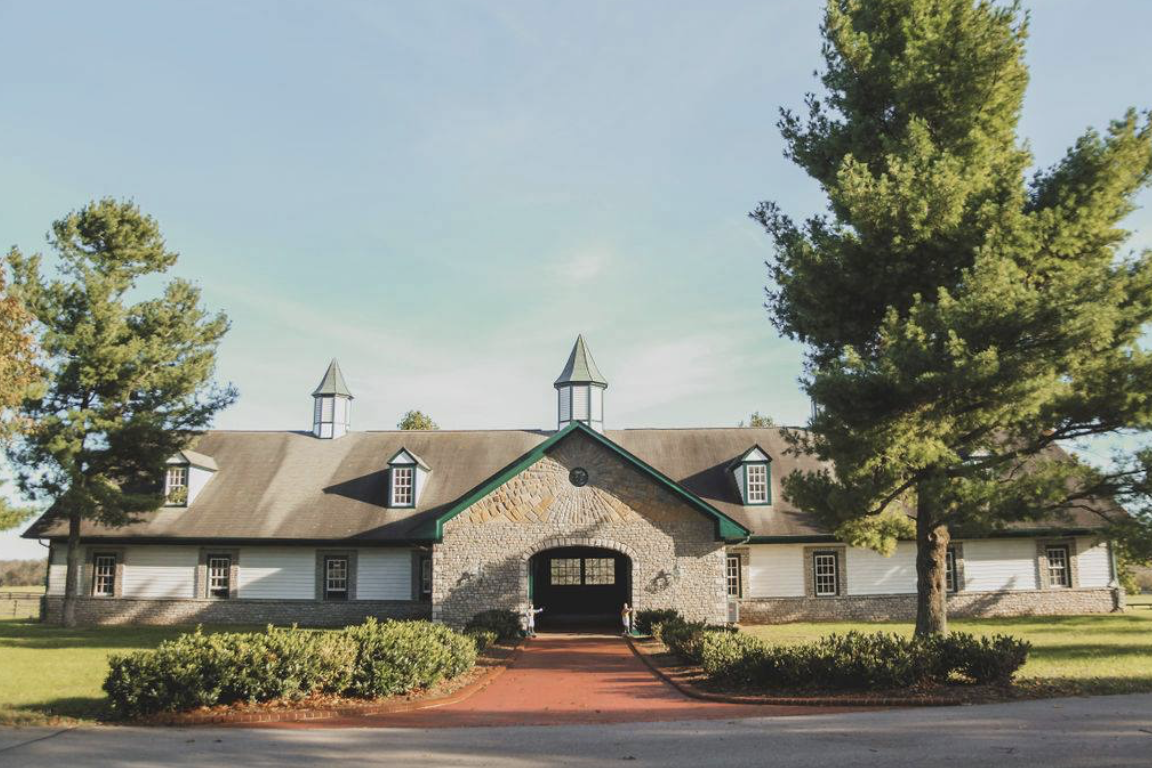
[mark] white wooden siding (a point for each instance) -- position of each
(738, 473)
(870, 573)
(384, 574)
(775, 570)
(565, 403)
(580, 403)
(160, 572)
(198, 477)
(278, 573)
(1094, 562)
(998, 564)
(596, 397)
(58, 569)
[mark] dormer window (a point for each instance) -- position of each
(176, 485)
(756, 476)
(752, 472)
(407, 474)
(403, 486)
(186, 475)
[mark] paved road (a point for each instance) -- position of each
(568, 679)
(1081, 733)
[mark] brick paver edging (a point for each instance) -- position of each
(329, 713)
(681, 683)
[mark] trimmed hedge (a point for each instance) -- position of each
(199, 670)
(646, 619)
(505, 623)
(861, 661)
(686, 638)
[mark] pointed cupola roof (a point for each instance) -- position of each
(581, 368)
(333, 382)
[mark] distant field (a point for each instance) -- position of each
(1140, 601)
(20, 602)
(37, 590)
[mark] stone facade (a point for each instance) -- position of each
(333, 613)
(483, 559)
(1050, 602)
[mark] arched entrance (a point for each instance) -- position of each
(579, 586)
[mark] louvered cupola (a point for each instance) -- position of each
(580, 390)
(331, 405)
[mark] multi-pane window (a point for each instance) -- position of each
(426, 576)
(403, 479)
(176, 485)
(951, 577)
(565, 571)
(599, 570)
(757, 479)
(219, 576)
(336, 578)
(104, 575)
(1059, 572)
(825, 574)
(732, 575)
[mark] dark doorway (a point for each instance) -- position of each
(580, 587)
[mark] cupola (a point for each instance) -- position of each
(580, 390)
(752, 471)
(332, 404)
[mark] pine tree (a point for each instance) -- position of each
(129, 384)
(961, 321)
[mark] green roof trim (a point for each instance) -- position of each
(333, 382)
(743, 458)
(726, 527)
(581, 368)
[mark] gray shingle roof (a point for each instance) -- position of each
(293, 486)
(581, 368)
(333, 382)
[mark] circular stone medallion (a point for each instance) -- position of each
(578, 477)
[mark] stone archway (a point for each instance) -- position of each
(577, 542)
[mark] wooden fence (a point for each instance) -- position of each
(19, 605)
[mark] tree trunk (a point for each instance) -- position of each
(931, 571)
(72, 577)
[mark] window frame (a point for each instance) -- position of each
(817, 556)
(1065, 569)
(185, 470)
(344, 594)
(114, 577)
(425, 576)
(733, 576)
(767, 498)
(394, 485)
(211, 590)
(598, 570)
(951, 575)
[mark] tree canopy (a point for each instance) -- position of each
(963, 321)
(129, 383)
(416, 420)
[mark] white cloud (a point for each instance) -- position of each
(583, 265)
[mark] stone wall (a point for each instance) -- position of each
(483, 560)
(1054, 602)
(90, 610)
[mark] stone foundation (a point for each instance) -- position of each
(1055, 602)
(308, 613)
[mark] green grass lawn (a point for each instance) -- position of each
(1073, 654)
(48, 672)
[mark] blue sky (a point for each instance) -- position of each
(442, 195)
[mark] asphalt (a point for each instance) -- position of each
(1081, 733)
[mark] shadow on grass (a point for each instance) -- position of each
(76, 707)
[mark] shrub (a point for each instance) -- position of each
(395, 657)
(195, 669)
(859, 661)
(646, 619)
(482, 637)
(985, 660)
(685, 638)
(505, 623)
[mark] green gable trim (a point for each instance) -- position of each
(726, 527)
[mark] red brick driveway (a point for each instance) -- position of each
(565, 679)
